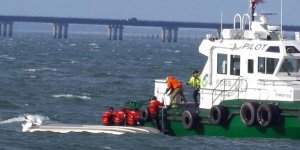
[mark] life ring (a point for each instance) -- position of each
(144, 114)
(267, 115)
(248, 113)
(218, 114)
(188, 120)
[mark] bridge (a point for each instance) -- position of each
(169, 29)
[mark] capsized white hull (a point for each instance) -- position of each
(66, 128)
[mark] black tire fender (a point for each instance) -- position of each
(144, 114)
(248, 113)
(267, 115)
(218, 114)
(188, 120)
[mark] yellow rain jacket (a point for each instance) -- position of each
(195, 82)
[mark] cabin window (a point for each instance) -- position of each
(235, 65)
(274, 49)
(222, 64)
(261, 64)
(250, 65)
(290, 65)
(291, 49)
(267, 65)
(271, 65)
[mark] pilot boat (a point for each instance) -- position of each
(250, 86)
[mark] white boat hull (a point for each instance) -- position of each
(66, 128)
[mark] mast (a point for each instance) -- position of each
(252, 10)
(253, 4)
(281, 32)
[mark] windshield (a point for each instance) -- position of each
(290, 66)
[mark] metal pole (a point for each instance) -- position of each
(162, 120)
(281, 20)
(224, 90)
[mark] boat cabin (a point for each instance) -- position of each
(252, 62)
(255, 64)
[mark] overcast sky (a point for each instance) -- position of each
(169, 10)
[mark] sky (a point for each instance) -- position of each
(168, 10)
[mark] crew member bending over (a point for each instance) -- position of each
(176, 89)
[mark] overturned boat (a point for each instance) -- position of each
(36, 123)
(250, 86)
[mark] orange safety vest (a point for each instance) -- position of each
(107, 117)
(120, 117)
(133, 117)
(172, 83)
(153, 107)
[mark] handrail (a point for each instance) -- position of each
(279, 82)
(243, 23)
(238, 80)
(218, 90)
(223, 81)
(234, 20)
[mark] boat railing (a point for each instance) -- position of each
(277, 82)
(235, 88)
(241, 20)
(259, 90)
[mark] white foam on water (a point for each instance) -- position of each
(40, 69)
(93, 44)
(70, 62)
(13, 120)
(168, 62)
(186, 45)
(35, 119)
(33, 77)
(70, 96)
(107, 147)
(7, 57)
(94, 50)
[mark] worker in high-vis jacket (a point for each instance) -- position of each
(175, 88)
(195, 81)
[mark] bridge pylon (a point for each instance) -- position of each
(115, 32)
(60, 30)
(171, 35)
(6, 29)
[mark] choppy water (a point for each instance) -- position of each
(74, 80)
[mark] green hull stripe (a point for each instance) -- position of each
(288, 125)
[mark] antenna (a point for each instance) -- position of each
(281, 19)
(221, 24)
(250, 9)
